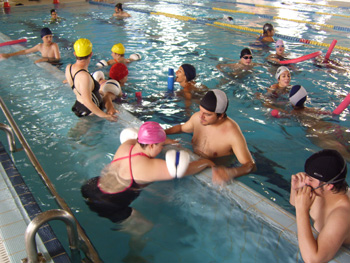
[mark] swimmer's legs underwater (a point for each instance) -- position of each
(137, 226)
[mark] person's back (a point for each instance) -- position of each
(268, 33)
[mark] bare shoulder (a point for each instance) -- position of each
(231, 127)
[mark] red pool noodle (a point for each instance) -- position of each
(330, 49)
(345, 103)
(12, 42)
(306, 57)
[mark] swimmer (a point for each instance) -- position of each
(211, 123)
(48, 49)
(324, 134)
(118, 55)
(321, 193)
(279, 55)
(228, 18)
(86, 89)
(283, 77)
(119, 12)
(54, 17)
(110, 90)
(268, 33)
(185, 76)
(331, 64)
(134, 167)
(245, 62)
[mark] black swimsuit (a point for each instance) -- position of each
(78, 108)
(114, 206)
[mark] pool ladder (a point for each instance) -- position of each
(84, 242)
(38, 221)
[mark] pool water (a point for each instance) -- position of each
(192, 222)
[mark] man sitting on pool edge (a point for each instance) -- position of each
(208, 125)
(321, 193)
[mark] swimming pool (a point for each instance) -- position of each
(72, 150)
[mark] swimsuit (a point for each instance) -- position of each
(114, 206)
(78, 108)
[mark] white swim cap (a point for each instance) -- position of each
(280, 70)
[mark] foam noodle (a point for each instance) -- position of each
(13, 42)
(330, 49)
(300, 59)
(342, 106)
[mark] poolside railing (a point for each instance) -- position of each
(85, 243)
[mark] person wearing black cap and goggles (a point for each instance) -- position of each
(216, 135)
(48, 49)
(321, 192)
(245, 62)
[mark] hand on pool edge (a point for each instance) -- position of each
(220, 175)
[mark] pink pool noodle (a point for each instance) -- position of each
(330, 49)
(342, 106)
(12, 42)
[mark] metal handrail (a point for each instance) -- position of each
(87, 246)
(44, 217)
(10, 137)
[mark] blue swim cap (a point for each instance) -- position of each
(45, 31)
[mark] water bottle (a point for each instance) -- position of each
(171, 80)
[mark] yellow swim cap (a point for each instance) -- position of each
(118, 49)
(82, 47)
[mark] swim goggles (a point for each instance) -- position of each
(248, 57)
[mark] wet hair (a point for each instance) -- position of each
(267, 27)
(119, 6)
(52, 10)
(82, 58)
(224, 115)
(340, 187)
(144, 146)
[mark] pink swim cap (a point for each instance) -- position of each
(151, 132)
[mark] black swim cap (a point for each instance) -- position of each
(245, 51)
(45, 31)
(190, 71)
(327, 166)
(215, 101)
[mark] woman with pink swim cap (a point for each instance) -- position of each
(134, 166)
